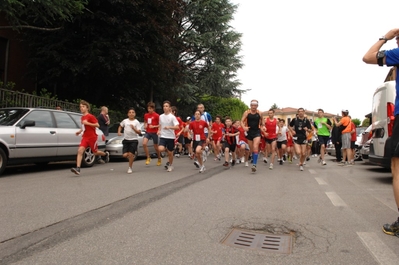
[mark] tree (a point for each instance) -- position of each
(209, 55)
(115, 53)
(232, 107)
(274, 106)
(128, 52)
(356, 122)
(40, 14)
(366, 123)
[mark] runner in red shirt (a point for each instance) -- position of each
(217, 134)
(151, 124)
(199, 139)
(89, 138)
(242, 144)
(271, 124)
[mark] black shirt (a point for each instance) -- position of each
(299, 125)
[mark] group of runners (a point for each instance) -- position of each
(234, 141)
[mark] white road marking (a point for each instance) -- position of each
(312, 171)
(321, 181)
(335, 199)
(381, 252)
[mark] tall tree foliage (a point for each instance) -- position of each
(127, 52)
(210, 53)
(40, 14)
(115, 53)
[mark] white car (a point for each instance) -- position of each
(114, 143)
(40, 136)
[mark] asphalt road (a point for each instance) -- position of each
(333, 214)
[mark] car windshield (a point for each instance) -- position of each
(9, 117)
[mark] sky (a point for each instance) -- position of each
(309, 53)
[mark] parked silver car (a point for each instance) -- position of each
(114, 143)
(40, 136)
(365, 150)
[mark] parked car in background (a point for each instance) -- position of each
(40, 136)
(365, 150)
(382, 117)
(114, 143)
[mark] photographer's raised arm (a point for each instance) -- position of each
(371, 55)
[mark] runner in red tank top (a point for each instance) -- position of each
(271, 125)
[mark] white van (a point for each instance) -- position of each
(382, 117)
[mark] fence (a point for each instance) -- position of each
(10, 98)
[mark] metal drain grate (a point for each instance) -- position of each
(260, 241)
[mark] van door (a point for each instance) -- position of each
(382, 113)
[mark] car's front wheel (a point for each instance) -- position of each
(3, 161)
(88, 158)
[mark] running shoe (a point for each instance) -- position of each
(265, 160)
(301, 168)
(281, 162)
(167, 165)
(391, 229)
(271, 166)
(129, 170)
(170, 168)
(147, 162)
(226, 164)
(233, 162)
(307, 158)
(196, 164)
(319, 159)
(246, 164)
(100, 161)
(159, 161)
(76, 170)
(204, 157)
(324, 163)
(242, 159)
(253, 168)
(202, 169)
(106, 157)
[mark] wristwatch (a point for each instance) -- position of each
(384, 39)
(380, 58)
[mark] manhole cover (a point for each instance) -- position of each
(260, 241)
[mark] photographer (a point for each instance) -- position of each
(389, 58)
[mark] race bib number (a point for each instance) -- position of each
(149, 120)
(320, 125)
(197, 137)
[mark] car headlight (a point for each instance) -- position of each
(115, 141)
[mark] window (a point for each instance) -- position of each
(42, 118)
(63, 120)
